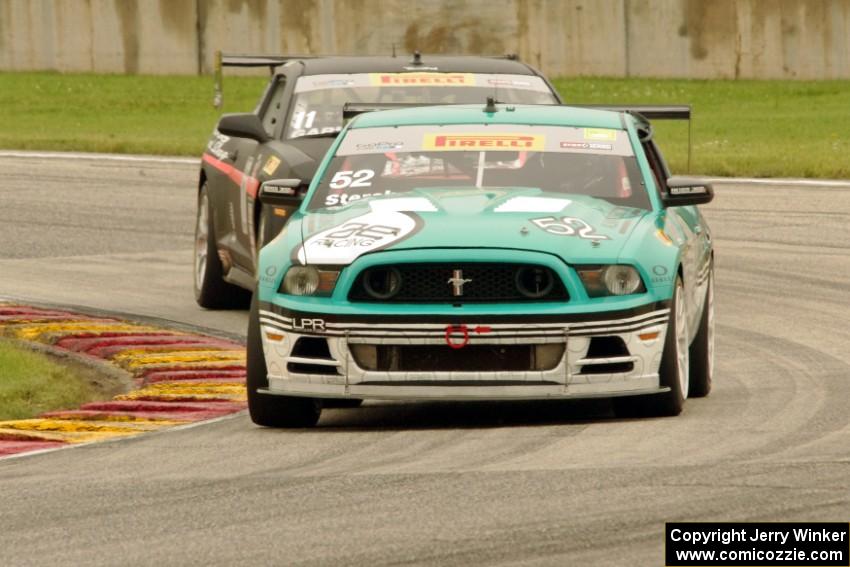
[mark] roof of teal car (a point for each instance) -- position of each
(544, 115)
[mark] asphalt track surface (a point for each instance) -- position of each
(403, 483)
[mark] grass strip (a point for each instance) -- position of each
(32, 383)
(740, 128)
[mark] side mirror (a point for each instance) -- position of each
(282, 193)
(243, 125)
(685, 192)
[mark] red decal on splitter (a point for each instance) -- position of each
(252, 184)
(451, 330)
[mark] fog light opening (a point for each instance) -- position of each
(366, 356)
(548, 357)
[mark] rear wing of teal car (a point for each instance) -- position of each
(643, 112)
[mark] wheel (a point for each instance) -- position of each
(673, 372)
(702, 349)
(211, 291)
(342, 403)
(266, 410)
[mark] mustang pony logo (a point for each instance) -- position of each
(483, 142)
(457, 282)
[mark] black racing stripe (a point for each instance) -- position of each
(609, 316)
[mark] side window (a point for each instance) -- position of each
(274, 112)
(656, 164)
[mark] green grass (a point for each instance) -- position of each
(115, 113)
(742, 128)
(32, 383)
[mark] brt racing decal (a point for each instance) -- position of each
(348, 241)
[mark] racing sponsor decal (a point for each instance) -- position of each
(586, 146)
(600, 134)
(481, 141)
(379, 146)
(661, 275)
(269, 274)
(271, 165)
(470, 137)
(345, 199)
(300, 324)
(333, 83)
(216, 145)
(344, 243)
(427, 79)
(568, 226)
(532, 205)
(508, 83)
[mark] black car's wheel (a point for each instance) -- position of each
(211, 291)
(702, 349)
(266, 410)
(674, 371)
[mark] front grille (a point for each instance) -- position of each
(472, 358)
(480, 283)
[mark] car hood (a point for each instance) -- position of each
(579, 229)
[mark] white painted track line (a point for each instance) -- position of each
(99, 157)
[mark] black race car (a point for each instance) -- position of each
(286, 136)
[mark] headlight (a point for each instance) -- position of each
(615, 279)
(622, 280)
(309, 280)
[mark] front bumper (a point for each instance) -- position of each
(588, 366)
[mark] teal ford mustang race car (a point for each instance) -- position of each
(472, 252)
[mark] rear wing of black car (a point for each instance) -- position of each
(223, 60)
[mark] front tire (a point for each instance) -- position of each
(211, 291)
(702, 349)
(269, 410)
(674, 371)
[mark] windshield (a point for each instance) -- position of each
(317, 107)
(596, 162)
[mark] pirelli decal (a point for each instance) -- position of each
(429, 79)
(463, 142)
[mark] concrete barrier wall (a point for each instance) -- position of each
(805, 39)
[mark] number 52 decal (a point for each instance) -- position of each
(343, 179)
(568, 226)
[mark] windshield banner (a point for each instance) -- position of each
(473, 137)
